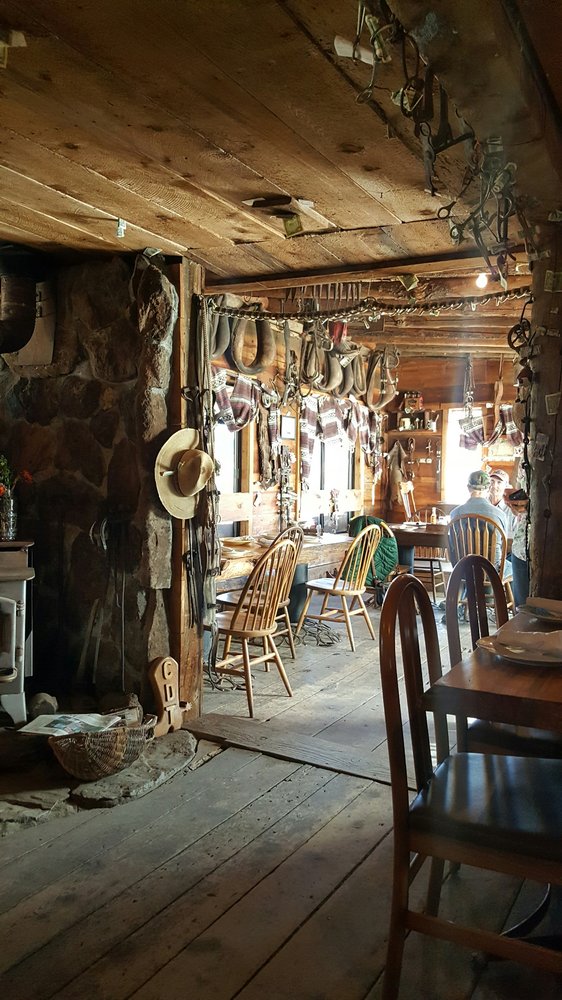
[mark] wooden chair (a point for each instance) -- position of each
(499, 813)
(387, 532)
(432, 562)
(475, 579)
(231, 597)
(476, 535)
(254, 617)
(349, 583)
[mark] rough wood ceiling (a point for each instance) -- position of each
(171, 115)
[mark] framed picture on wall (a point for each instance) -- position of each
(288, 428)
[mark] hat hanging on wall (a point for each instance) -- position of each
(181, 472)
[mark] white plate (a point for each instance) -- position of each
(515, 653)
(542, 613)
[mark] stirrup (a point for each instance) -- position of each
(8, 674)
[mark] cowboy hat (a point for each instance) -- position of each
(181, 472)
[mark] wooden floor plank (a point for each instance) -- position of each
(249, 735)
(277, 905)
(316, 670)
(35, 838)
(214, 876)
(87, 886)
(106, 829)
(137, 920)
(340, 950)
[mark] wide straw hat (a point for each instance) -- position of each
(181, 472)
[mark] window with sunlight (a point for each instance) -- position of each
(331, 469)
(459, 462)
(227, 452)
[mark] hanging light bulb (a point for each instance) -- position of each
(482, 280)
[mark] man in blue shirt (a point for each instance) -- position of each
(479, 504)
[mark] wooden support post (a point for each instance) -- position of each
(546, 490)
(185, 644)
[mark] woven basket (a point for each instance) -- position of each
(90, 756)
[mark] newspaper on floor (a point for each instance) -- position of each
(64, 725)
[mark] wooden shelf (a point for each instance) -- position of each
(415, 433)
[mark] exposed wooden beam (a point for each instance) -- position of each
(433, 264)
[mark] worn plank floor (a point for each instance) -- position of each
(251, 877)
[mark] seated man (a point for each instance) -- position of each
(499, 483)
(479, 504)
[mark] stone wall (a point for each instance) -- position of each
(88, 427)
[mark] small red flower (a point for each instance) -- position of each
(2, 490)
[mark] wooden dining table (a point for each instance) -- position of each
(328, 549)
(484, 685)
(430, 536)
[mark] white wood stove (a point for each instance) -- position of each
(16, 650)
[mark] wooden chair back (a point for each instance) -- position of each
(355, 565)
(295, 534)
(406, 607)
(474, 534)
(262, 593)
(477, 583)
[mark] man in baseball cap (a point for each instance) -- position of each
(478, 502)
(499, 483)
(478, 482)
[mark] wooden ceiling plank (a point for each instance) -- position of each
(38, 225)
(113, 149)
(266, 153)
(76, 214)
(295, 253)
(323, 114)
(389, 79)
(56, 171)
(422, 338)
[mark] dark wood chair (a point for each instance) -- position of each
(499, 813)
(475, 580)
(476, 535)
(231, 597)
(254, 618)
(349, 584)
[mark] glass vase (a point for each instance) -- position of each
(8, 519)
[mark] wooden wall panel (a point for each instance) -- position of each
(441, 380)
